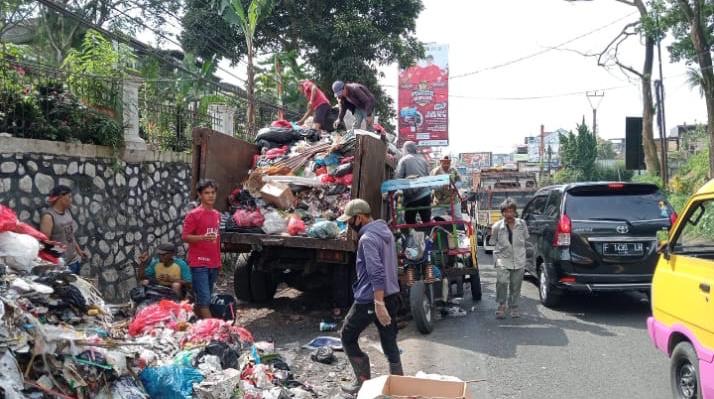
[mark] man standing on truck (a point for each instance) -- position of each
(376, 292)
(357, 98)
(317, 105)
(509, 236)
(442, 195)
(413, 165)
(200, 231)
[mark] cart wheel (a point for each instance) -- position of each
(475, 280)
(241, 277)
(421, 307)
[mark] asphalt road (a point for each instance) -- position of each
(589, 347)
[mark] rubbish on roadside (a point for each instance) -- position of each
(227, 356)
(265, 346)
(165, 313)
(324, 355)
(390, 386)
(321, 341)
(328, 326)
(170, 381)
(455, 311)
(223, 306)
(219, 385)
(18, 250)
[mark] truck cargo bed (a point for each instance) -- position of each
(234, 240)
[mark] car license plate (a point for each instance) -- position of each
(623, 248)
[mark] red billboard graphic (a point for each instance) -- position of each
(424, 99)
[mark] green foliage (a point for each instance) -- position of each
(578, 154)
(292, 71)
(605, 149)
(648, 178)
(612, 173)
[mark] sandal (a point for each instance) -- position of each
(501, 312)
(515, 314)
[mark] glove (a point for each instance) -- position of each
(336, 124)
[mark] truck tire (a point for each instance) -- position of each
(421, 308)
(475, 281)
(684, 372)
(241, 278)
(262, 286)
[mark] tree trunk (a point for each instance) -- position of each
(250, 88)
(648, 111)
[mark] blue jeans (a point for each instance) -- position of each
(75, 267)
(203, 280)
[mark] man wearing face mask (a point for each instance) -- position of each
(376, 292)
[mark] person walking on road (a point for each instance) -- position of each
(357, 98)
(376, 293)
(318, 105)
(200, 231)
(509, 236)
(414, 165)
(58, 225)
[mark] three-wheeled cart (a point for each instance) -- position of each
(447, 255)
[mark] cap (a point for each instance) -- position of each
(165, 249)
(354, 208)
(445, 158)
(338, 87)
(57, 192)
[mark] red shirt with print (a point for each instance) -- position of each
(320, 97)
(203, 253)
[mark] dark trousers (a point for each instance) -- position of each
(424, 214)
(360, 317)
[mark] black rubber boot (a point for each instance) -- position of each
(396, 369)
(360, 365)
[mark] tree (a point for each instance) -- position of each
(647, 29)
(578, 154)
(605, 149)
(285, 69)
(13, 13)
(690, 24)
(246, 19)
(340, 39)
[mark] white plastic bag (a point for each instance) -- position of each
(19, 250)
(274, 223)
(415, 245)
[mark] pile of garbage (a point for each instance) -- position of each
(300, 182)
(59, 339)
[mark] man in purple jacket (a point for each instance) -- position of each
(357, 98)
(376, 292)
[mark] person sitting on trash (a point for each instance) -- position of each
(318, 105)
(357, 98)
(166, 269)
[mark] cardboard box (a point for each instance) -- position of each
(398, 387)
(278, 195)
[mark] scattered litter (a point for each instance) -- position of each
(456, 311)
(170, 381)
(321, 341)
(324, 355)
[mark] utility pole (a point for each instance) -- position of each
(661, 122)
(595, 98)
(541, 152)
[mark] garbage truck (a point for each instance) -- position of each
(490, 188)
(305, 263)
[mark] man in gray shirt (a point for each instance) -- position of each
(509, 236)
(58, 225)
(409, 166)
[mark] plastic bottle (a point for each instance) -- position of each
(328, 326)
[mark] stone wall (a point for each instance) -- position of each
(123, 204)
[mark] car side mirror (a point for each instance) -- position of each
(664, 249)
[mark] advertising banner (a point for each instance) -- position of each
(478, 160)
(424, 99)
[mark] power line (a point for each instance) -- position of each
(538, 53)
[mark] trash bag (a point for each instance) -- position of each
(227, 355)
(170, 381)
(281, 123)
(280, 135)
(8, 219)
(322, 341)
(345, 180)
(223, 306)
(127, 387)
(415, 245)
(165, 312)
(19, 250)
(324, 355)
(246, 218)
(343, 169)
(296, 226)
(326, 230)
(274, 223)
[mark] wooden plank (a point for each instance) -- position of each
(265, 240)
(223, 158)
(371, 172)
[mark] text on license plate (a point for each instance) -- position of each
(623, 248)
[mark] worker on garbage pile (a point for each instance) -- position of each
(58, 225)
(357, 98)
(509, 236)
(200, 231)
(165, 269)
(376, 292)
(318, 105)
(412, 165)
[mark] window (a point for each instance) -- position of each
(536, 206)
(552, 207)
(631, 203)
(697, 232)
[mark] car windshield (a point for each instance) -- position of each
(617, 204)
(492, 200)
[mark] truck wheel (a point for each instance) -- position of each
(684, 372)
(262, 286)
(548, 296)
(475, 280)
(241, 278)
(421, 307)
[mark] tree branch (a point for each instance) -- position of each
(629, 3)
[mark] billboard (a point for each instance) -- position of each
(478, 160)
(424, 99)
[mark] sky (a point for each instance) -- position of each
(481, 34)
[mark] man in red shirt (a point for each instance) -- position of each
(200, 231)
(317, 104)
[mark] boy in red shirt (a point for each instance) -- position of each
(200, 231)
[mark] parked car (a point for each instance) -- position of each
(682, 322)
(593, 237)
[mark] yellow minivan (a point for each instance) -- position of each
(682, 322)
